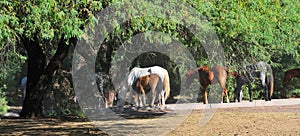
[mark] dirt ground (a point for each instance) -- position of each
(271, 120)
(277, 120)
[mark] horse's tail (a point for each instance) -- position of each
(271, 79)
(166, 84)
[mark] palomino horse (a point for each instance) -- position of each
(289, 74)
(205, 76)
(260, 70)
(135, 74)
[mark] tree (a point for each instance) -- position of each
(46, 29)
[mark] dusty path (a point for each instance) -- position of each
(268, 119)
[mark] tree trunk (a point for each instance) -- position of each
(39, 74)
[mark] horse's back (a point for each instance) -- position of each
(135, 73)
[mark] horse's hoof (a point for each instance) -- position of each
(250, 100)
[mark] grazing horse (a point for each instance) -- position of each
(260, 70)
(145, 83)
(205, 76)
(107, 94)
(137, 73)
(289, 74)
(157, 84)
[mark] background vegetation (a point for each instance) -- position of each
(249, 31)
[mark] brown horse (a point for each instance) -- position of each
(289, 74)
(205, 76)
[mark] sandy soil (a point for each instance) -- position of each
(277, 120)
(271, 120)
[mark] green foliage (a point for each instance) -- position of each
(249, 31)
(254, 30)
(11, 62)
(3, 103)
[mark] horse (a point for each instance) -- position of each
(154, 83)
(289, 74)
(135, 74)
(205, 76)
(260, 70)
(145, 83)
(103, 81)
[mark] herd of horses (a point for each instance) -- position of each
(155, 79)
(141, 81)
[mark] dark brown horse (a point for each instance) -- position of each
(259, 71)
(205, 76)
(289, 74)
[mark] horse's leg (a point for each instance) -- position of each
(153, 85)
(106, 98)
(268, 97)
(237, 92)
(250, 92)
(263, 82)
(199, 95)
(153, 91)
(162, 99)
(205, 101)
(109, 99)
(130, 96)
(143, 98)
(224, 92)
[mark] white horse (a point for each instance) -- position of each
(133, 76)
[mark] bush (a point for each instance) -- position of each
(3, 103)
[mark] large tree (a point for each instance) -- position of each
(46, 29)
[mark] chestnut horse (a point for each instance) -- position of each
(261, 71)
(205, 76)
(151, 82)
(289, 74)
